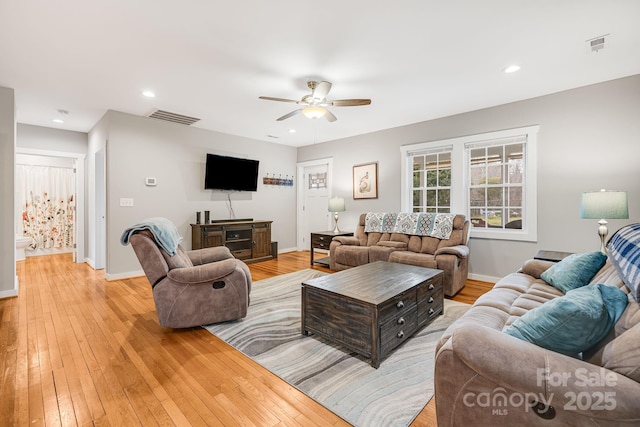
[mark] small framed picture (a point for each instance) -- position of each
(365, 181)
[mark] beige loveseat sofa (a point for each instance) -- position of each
(450, 255)
(486, 377)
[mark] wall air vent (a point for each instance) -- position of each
(596, 44)
(173, 117)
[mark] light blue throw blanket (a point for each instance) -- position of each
(164, 231)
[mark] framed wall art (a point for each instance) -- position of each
(365, 181)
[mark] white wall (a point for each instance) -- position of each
(140, 147)
(589, 139)
(50, 139)
(8, 279)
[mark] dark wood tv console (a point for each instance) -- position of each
(247, 239)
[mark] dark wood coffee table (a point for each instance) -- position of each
(373, 308)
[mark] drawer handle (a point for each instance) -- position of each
(400, 304)
(430, 300)
(321, 238)
(431, 286)
(401, 321)
(431, 311)
(400, 334)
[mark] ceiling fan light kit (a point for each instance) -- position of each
(314, 112)
(316, 102)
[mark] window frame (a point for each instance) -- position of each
(460, 179)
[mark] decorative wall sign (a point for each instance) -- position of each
(317, 180)
(365, 181)
(285, 182)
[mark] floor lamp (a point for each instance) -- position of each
(336, 204)
(604, 205)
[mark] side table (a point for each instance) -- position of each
(554, 256)
(322, 240)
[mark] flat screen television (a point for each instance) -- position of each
(230, 173)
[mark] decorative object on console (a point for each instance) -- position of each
(365, 181)
(336, 204)
(604, 205)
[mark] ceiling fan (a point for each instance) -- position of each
(315, 104)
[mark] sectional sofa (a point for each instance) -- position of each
(554, 344)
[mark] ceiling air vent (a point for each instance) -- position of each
(173, 117)
(596, 44)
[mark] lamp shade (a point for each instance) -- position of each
(604, 205)
(336, 204)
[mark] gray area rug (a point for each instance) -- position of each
(345, 383)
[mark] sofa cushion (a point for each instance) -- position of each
(412, 258)
(574, 271)
(572, 323)
(393, 244)
(622, 355)
(356, 255)
(624, 250)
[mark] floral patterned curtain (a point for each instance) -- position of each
(46, 198)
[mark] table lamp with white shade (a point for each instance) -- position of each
(336, 204)
(604, 205)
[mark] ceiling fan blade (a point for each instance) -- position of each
(330, 116)
(321, 91)
(270, 98)
(286, 116)
(350, 102)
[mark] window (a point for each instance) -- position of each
(431, 186)
(490, 177)
(495, 172)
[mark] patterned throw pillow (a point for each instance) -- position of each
(574, 271)
(624, 251)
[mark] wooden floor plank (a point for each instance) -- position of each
(77, 349)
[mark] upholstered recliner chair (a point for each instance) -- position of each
(192, 288)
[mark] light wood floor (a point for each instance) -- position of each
(76, 349)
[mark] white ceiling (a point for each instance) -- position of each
(416, 59)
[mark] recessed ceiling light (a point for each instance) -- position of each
(292, 131)
(511, 69)
(58, 121)
(149, 94)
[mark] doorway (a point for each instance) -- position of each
(314, 191)
(73, 205)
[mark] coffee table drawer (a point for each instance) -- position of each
(431, 305)
(397, 304)
(397, 331)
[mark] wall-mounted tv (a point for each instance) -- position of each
(230, 173)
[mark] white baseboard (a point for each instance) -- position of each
(126, 275)
(285, 250)
(10, 293)
(483, 278)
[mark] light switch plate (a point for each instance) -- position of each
(126, 201)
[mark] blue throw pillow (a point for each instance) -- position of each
(574, 271)
(574, 322)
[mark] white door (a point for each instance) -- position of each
(314, 191)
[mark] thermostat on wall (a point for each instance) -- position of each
(150, 181)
